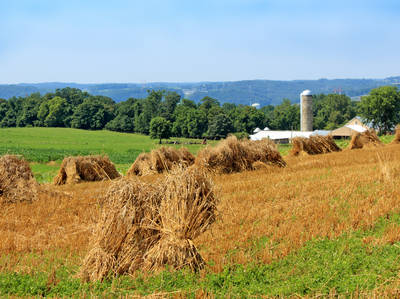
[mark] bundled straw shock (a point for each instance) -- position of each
(187, 209)
(314, 145)
(88, 168)
(147, 227)
(160, 160)
(233, 155)
(366, 139)
(17, 183)
(396, 139)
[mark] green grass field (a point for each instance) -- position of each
(52, 144)
(46, 147)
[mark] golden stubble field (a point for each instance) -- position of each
(313, 197)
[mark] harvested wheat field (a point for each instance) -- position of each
(16, 180)
(233, 155)
(325, 225)
(314, 145)
(85, 168)
(160, 160)
(365, 139)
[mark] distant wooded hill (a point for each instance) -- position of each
(247, 92)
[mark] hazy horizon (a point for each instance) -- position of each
(179, 41)
(191, 82)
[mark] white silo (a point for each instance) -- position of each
(306, 113)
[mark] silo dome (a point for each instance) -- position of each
(306, 92)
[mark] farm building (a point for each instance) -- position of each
(285, 136)
(353, 126)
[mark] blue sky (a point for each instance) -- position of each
(181, 41)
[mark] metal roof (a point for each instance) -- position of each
(279, 135)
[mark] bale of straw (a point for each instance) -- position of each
(396, 139)
(124, 231)
(147, 227)
(87, 168)
(367, 138)
(17, 183)
(314, 145)
(233, 155)
(141, 166)
(187, 209)
(160, 160)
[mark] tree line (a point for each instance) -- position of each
(162, 114)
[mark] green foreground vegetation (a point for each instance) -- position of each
(346, 264)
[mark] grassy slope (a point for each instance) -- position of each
(51, 144)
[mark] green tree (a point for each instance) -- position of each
(268, 112)
(160, 128)
(381, 108)
(93, 114)
(196, 123)
(125, 117)
(30, 107)
(9, 119)
(73, 96)
(247, 118)
(219, 126)
(179, 126)
(43, 111)
(188, 103)
(3, 109)
(150, 107)
(207, 103)
(15, 108)
(171, 100)
(58, 111)
(331, 111)
(286, 116)
(187, 119)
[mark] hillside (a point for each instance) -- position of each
(239, 92)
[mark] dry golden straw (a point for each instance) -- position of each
(17, 183)
(233, 155)
(314, 145)
(396, 139)
(148, 227)
(88, 168)
(160, 160)
(367, 138)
